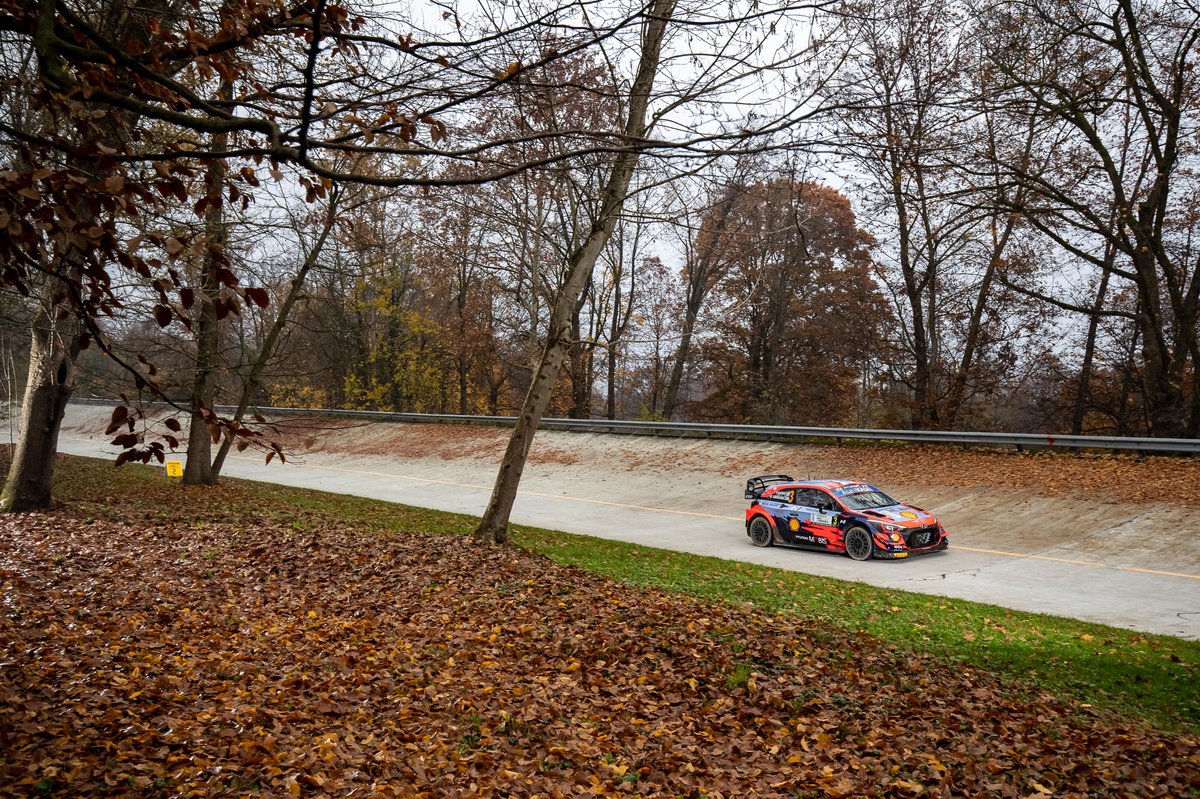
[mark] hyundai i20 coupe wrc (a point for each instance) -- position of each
(838, 516)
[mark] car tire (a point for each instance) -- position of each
(858, 543)
(760, 532)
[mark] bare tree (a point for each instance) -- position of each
(494, 524)
(906, 82)
(138, 112)
(703, 267)
(1113, 87)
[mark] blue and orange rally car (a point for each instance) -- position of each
(838, 516)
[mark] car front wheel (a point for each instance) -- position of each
(858, 543)
(760, 532)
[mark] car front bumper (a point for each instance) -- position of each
(884, 554)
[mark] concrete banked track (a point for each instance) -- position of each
(1086, 555)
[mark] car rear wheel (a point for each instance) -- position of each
(760, 532)
(858, 543)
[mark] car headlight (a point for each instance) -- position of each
(891, 528)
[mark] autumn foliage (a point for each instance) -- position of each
(226, 651)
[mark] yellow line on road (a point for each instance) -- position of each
(1091, 563)
(434, 481)
(999, 552)
(522, 491)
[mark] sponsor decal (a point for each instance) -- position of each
(794, 524)
(858, 489)
(824, 518)
(909, 515)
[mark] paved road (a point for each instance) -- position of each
(658, 509)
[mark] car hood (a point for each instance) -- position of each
(902, 515)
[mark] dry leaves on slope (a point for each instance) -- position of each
(235, 659)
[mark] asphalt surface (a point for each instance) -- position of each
(1005, 547)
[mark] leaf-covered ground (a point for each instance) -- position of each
(224, 651)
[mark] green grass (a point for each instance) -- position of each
(1148, 677)
(1151, 677)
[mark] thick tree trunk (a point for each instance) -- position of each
(1167, 408)
(494, 524)
(197, 469)
(54, 346)
(52, 352)
(581, 383)
(1194, 422)
(913, 287)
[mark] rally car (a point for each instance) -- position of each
(838, 516)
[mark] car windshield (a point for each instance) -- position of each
(866, 500)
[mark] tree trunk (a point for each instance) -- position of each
(1166, 407)
(610, 401)
(493, 526)
(463, 407)
(1083, 391)
(671, 401)
(1127, 378)
(198, 469)
(580, 361)
(1194, 421)
(54, 346)
(52, 352)
(699, 282)
(615, 330)
(268, 346)
(913, 285)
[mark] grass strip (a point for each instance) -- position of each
(1152, 678)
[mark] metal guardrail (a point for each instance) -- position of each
(760, 432)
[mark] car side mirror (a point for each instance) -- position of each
(824, 505)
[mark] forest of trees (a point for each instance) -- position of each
(922, 213)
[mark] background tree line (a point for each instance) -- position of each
(926, 213)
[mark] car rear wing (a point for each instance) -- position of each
(755, 486)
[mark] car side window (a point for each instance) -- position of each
(822, 500)
(804, 496)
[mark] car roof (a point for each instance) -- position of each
(838, 487)
(831, 484)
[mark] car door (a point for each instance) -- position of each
(799, 524)
(818, 518)
(824, 521)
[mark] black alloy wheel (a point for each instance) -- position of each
(760, 532)
(858, 544)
